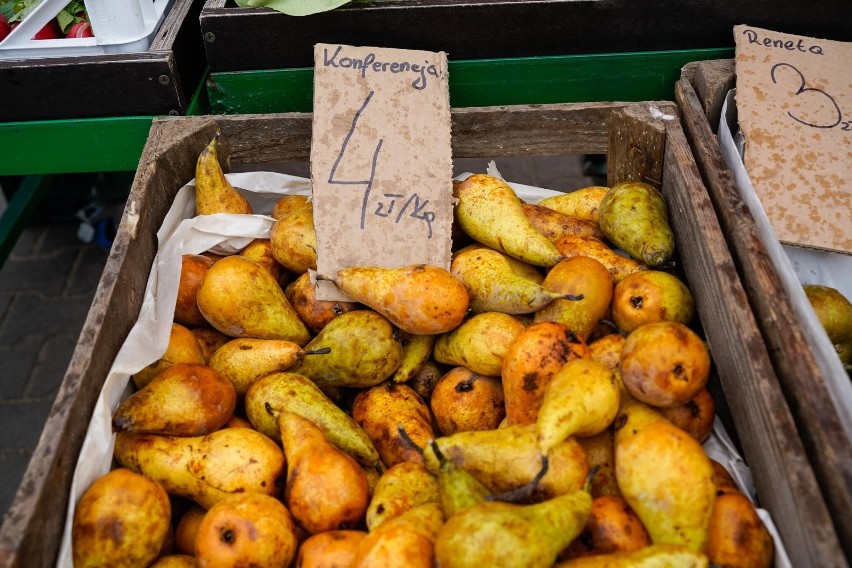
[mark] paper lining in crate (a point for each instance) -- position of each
(119, 26)
(183, 233)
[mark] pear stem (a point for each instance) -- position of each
(438, 453)
(524, 492)
(613, 325)
(321, 351)
(407, 439)
(573, 297)
(587, 486)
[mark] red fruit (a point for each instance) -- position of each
(80, 29)
(5, 28)
(49, 31)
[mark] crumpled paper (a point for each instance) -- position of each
(182, 233)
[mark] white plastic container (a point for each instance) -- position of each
(119, 26)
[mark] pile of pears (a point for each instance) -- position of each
(541, 403)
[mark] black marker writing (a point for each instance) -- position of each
(803, 88)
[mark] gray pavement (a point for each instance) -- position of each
(47, 285)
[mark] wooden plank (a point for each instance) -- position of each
(32, 529)
(795, 362)
(785, 483)
(713, 80)
(540, 28)
(636, 145)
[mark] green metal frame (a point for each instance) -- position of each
(485, 82)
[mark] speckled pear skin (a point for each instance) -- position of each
(213, 192)
(634, 218)
(834, 312)
(490, 212)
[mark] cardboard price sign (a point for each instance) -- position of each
(794, 101)
(381, 160)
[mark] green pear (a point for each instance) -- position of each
(509, 535)
(479, 343)
(240, 298)
(268, 397)
(835, 314)
(506, 459)
(364, 350)
(493, 285)
(416, 351)
(635, 219)
(457, 488)
(490, 212)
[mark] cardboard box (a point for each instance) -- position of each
(808, 377)
(750, 395)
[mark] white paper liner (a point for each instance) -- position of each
(796, 266)
(180, 234)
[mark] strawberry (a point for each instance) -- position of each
(5, 28)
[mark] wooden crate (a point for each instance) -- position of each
(637, 144)
(501, 28)
(802, 376)
(158, 81)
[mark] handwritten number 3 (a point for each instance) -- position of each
(803, 89)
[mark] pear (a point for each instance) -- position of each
(633, 415)
(506, 459)
(600, 455)
(247, 530)
(457, 488)
(611, 527)
(213, 192)
(463, 400)
(493, 286)
(582, 203)
(695, 416)
(654, 556)
(416, 351)
(581, 400)
(187, 529)
(607, 350)
(737, 535)
(245, 360)
(326, 489)
(553, 224)
(175, 561)
(288, 203)
(489, 211)
(208, 468)
(579, 245)
(294, 240)
(529, 364)
(316, 313)
(423, 382)
(122, 519)
(401, 488)
(588, 282)
(183, 400)
(834, 312)
(508, 535)
(193, 267)
(330, 549)
(667, 479)
(241, 299)
(421, 299)
(396, 419)
(650, 296)
(635, 219)
(183, 347)
(260, 251)
(364, 350)
(209, 340)
(406, 540)
(280, 392)
(479, 343)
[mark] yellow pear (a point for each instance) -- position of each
(416, 351)
(122, 519)
(667, 479)
(213, 192)
(493, 285)
(273, 394)
(208, 468)
(581, 400)
(479, 343)
(401, 488)
(654, 556)
(635, 219)
(553, 224)
(241, 299)
(582, 203)
(294, 240)
(183, 347)
(245, 360)
(489, 211)
(421, 299)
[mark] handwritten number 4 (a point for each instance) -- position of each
(803, 89)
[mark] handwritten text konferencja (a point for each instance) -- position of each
(369, 63)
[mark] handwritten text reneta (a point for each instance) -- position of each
(369, 63)
(789, 44)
